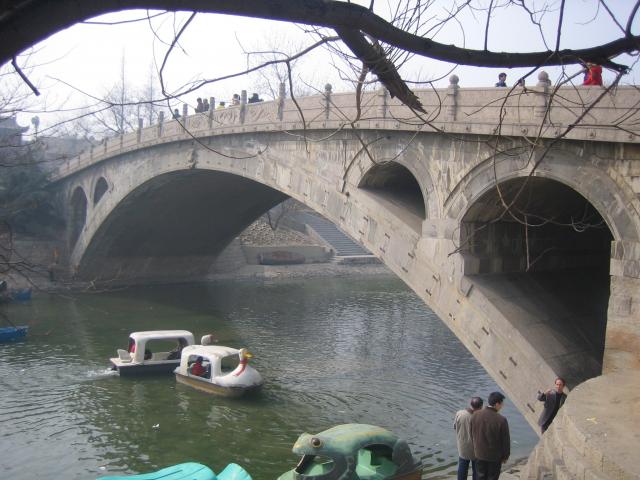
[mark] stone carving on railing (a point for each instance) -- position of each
(262, 112)
(198, 121)
(172, 128)
(148, 134)
(228, 116)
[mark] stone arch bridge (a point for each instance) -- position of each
(558, 294)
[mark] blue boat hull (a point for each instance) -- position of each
(20, 295)
(11, 334)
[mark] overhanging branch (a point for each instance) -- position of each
(29, 22)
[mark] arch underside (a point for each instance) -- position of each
(179, 221)
(545, 268)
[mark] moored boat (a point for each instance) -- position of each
(149, 352)
(20, 294)
(353, 452)
(12, 334)
(219, 370)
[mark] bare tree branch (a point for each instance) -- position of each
(45, 17)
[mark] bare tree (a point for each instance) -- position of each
(275, 51)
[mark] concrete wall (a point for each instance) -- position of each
(311, 253)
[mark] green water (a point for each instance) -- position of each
(331, 351)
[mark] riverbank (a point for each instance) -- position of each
(258, 272)
(307, 270)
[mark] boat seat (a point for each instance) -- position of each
(124, 355)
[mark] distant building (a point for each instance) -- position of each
(11, 132)
(10, 138)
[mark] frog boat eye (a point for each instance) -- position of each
(316, 442)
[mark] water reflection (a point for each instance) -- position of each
(331, 351)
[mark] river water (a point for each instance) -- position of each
(332, 351)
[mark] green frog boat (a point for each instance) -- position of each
(353, 452)
(346, 452)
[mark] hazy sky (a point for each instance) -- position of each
(89, 57)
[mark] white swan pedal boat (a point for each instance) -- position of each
(155, 351)
(219, 370)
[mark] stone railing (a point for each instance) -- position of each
(539, 111)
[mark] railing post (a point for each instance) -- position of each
(185, 112)
(212, 107)
(383, 102)
(160, 123)
(243, 105)
(327, 100)
(282, 92)
(452, 97)
(140, 125)
(542, 106)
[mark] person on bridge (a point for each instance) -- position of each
(502, 80)
(176, 113)
(553, 399)
(593, 75)
(490, 437)
(205, 105)
(220, 106)
(462, 426)
(199, 106)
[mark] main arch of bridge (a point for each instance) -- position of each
(428, 215)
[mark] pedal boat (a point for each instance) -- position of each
(188, 471)
(226, 370)
(140, 359)
(353, 452)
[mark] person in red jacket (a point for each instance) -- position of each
(197, 368)
(593, 75)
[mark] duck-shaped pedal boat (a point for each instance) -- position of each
(353, 452)
(189, 471)
(219, 370)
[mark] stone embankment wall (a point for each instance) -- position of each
(591, 436)
(258, 238)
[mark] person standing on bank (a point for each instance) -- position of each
(502, 80)
(491, 440)
(553, 400)
(462, 426)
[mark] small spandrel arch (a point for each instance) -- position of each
(78, 215)
(396, 184)
(100, 189)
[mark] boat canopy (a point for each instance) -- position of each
(142, 338)
(211, 352)
(162, 335)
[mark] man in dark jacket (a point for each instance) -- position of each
(490, 437)
(553, 400)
